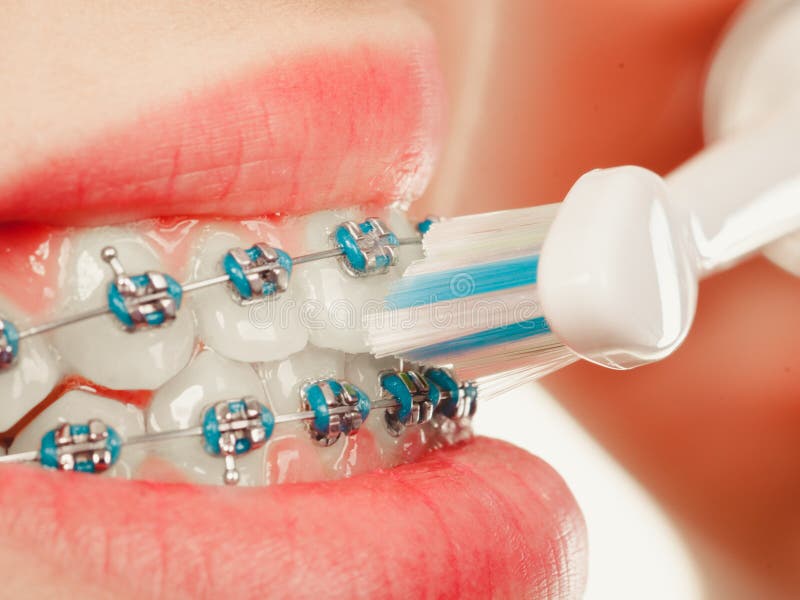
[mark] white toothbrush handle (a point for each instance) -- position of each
(741, 193)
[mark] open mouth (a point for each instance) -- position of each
(275, 161)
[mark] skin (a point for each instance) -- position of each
(540, 92)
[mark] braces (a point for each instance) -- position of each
(152, 299)
(230, 428)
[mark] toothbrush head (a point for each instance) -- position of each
(617, 275)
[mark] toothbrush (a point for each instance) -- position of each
(610, 275)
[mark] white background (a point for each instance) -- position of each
(633, 551)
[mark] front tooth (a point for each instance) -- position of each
(79, 407)
(266, 331)
(32, 376)
(100, 349)
(180, 403)
(334, 304)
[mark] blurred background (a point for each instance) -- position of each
(541, 92)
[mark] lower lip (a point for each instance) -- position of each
(479, 520)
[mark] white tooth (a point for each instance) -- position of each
(28, 381)
(334, 304)
(266, 331)
(283, 379)
(364, 371)
(397, 220)
(179, 404)
(99, 348)
(78, 407)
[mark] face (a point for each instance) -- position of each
(175, 135)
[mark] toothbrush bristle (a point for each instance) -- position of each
(472, 302)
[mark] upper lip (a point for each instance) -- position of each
(354, 126)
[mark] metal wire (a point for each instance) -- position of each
(164, 436)
(188, 288)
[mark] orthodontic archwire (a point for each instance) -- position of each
(331, 408)
(229, 428)
(152, 299)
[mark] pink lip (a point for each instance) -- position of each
(327, 130)
(481, 520)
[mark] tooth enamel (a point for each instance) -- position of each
(77, 407)
(292, 459)
(333, 304)
(284, 379)
(179, 404)
(397, 220)
(361, 454)
(266, 331)
(99, 348)
(268, 350)
(364, 370)
(300, 459)
(29, 380)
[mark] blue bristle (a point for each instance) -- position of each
(461, 283)
(499, 335)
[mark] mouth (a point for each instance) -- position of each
(284, 155)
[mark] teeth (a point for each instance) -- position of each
(78, 407)
(292, 459)
(179, 404)
(284, 379)
(294, 456)
(397, 221)
(266, 331)
(33, 375)
(100, 349)
(267, 350)
(363, 370)
(334, 304)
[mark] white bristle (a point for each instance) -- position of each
(497, 384)
(443, 298)
(489, 237)
(398, 331)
